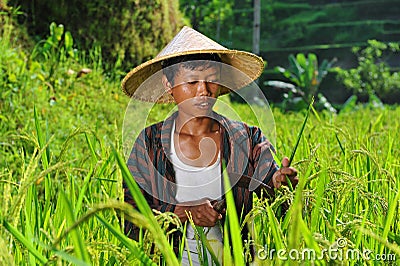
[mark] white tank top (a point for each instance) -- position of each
(196, 183)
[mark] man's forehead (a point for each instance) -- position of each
(187, 74)
(206, 67)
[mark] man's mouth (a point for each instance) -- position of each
(203, 104)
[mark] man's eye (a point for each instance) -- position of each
(192, 82)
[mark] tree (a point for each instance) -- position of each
(207, 16)
(129, 32)
(373, 77)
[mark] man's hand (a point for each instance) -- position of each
(280, 177)
(202, 214)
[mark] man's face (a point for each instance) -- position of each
(195, 90)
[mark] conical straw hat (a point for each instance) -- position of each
(189, 41)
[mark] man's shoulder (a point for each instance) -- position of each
(237, 125)
(155, 126)
(152, 131)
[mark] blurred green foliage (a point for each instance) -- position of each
(373, 77)
(129, 32)
(326, 28)
(54, 81)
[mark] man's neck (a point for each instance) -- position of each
(195, 126)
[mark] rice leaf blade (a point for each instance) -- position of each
(27, 243)
(79, 243)
(233, 221)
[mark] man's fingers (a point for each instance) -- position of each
(205, 215)
(289, 171)
(277, 180)
(281, 178)
(285, 162)
(284, 173)
(295, 180)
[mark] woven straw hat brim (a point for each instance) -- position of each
(248, 63)
(186, 42)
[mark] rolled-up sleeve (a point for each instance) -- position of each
(263, 160)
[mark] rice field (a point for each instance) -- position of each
(63, 205)
(62, 166)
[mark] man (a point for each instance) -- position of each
(178, 162)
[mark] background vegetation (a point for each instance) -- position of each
(61, 166)
(129, 32)
(326, 28)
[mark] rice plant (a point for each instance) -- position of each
(61, 173)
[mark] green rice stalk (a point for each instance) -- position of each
(158, 234)
(383, 241)
(340, 144)
(295, 231)
(299, 135)
(308, 237)
(127, 242)
(294, 239)
(190, 220)
(206, 245)
(228, 260)
(82, 192)
(390, 142)
(41, 139)
(319, 199)
(287, 220)
(5, 254)
(301, 132)
(359, 234)
(106, 163)
(32, 214)
(66, 143)
(112, 205)
(6, 197)
(27, 181)
(45, 158)
(275, 229)
(201, 245)
(182, 245)
(91, 148)
(315, 112)
(377, 122)
(389, 218)
(333, 218)
(79, 243)
(233, 221)
(25, 242)
(68, 257)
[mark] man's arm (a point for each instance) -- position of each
(266, 167)
(147, 176)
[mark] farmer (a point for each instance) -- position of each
(178, 163)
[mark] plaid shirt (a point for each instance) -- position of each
(244, 149)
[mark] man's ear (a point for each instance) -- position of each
(167, 85)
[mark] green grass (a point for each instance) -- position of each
(62, 167)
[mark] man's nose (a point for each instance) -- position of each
(202, 88)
